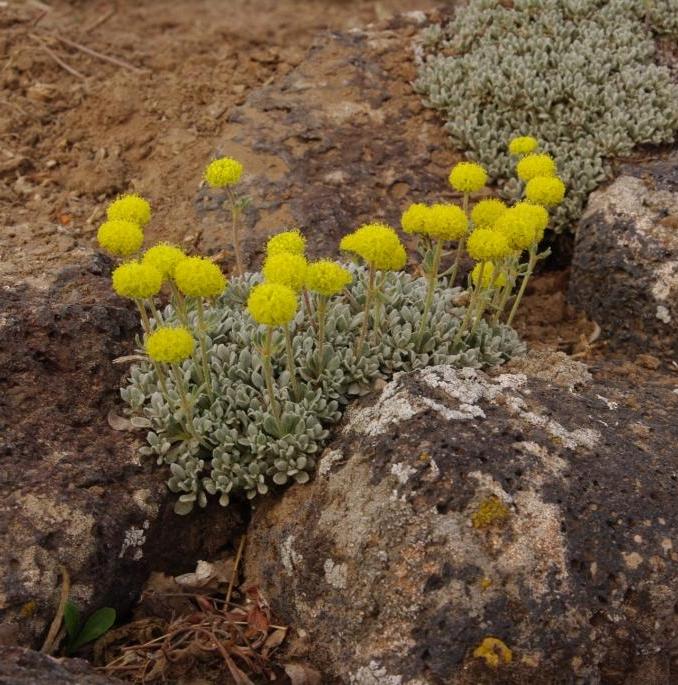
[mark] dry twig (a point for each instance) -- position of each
(50, 640)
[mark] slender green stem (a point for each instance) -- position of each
(291, 366)
(322, 314)
(156, 313)
(235, 214)
(457, 260)
(159, 372)
(432, 281)
(369, 296)
(202, 338)
(145, 321)
(530, 268)
(179, 303)
(470, 308)
(267, 368)
(308, 307)
(178, 376)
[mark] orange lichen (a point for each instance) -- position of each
(28, 609)
(494, 651)
(491, 510)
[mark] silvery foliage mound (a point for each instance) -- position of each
(577, 74)
(242, 447)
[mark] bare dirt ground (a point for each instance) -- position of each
(75, 129)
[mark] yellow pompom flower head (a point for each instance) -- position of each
(132, 208)
(446, 222)
(468, 177)
(523, 145)
(120, 238)
(287, 241)
(164, 257)
(414, 218)
(486, 212)
(546, 191)
(199, 277)
(223, 172)
(170, 345)
(378, 245)
(325, 278)
(136, 281)
(141, 283)
(484, 244)
(273, 304)
(287, 269)
(488, 275)
(535, 165)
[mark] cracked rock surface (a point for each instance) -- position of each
(457, 506)
(625, 264)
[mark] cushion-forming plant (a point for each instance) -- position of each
(579, 75)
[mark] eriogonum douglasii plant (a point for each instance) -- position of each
(244, 378)
(579, 74)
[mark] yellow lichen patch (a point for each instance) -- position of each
(494, 651)
(485, 583)
(28, 609)
(491, 510)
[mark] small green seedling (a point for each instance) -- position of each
(94, 627)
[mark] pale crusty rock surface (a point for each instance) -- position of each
(394, 565)
(74, 492)
(625, 263)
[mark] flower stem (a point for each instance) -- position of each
(159, 371)
(178, 376)
(235, 214)
(432, 281)
(368, 305)
(471, 306)
(291, 367)
(179, 303)
(308, 307)
(202, 337)
(530, 268)
(267, 368)
(322, 314)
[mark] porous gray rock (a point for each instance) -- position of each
(625, 263)
(74, 492)
(473, 528)
(24, 667)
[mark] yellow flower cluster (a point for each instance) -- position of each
(164, 257)
(488, 270)
(545, 190)
(287, 269)
(414, 218)
(136, 281)
(378, 245)
(327, 278)
(440, 221)
(223, 172)
(523, 225)
(486, 212)
(523, 145)
(170, 345)
(485, 244)
(132, 208)
(468, 177)
(272, 304)
(535, 165)
(287, 241)
(120, 238)
(199, 277)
